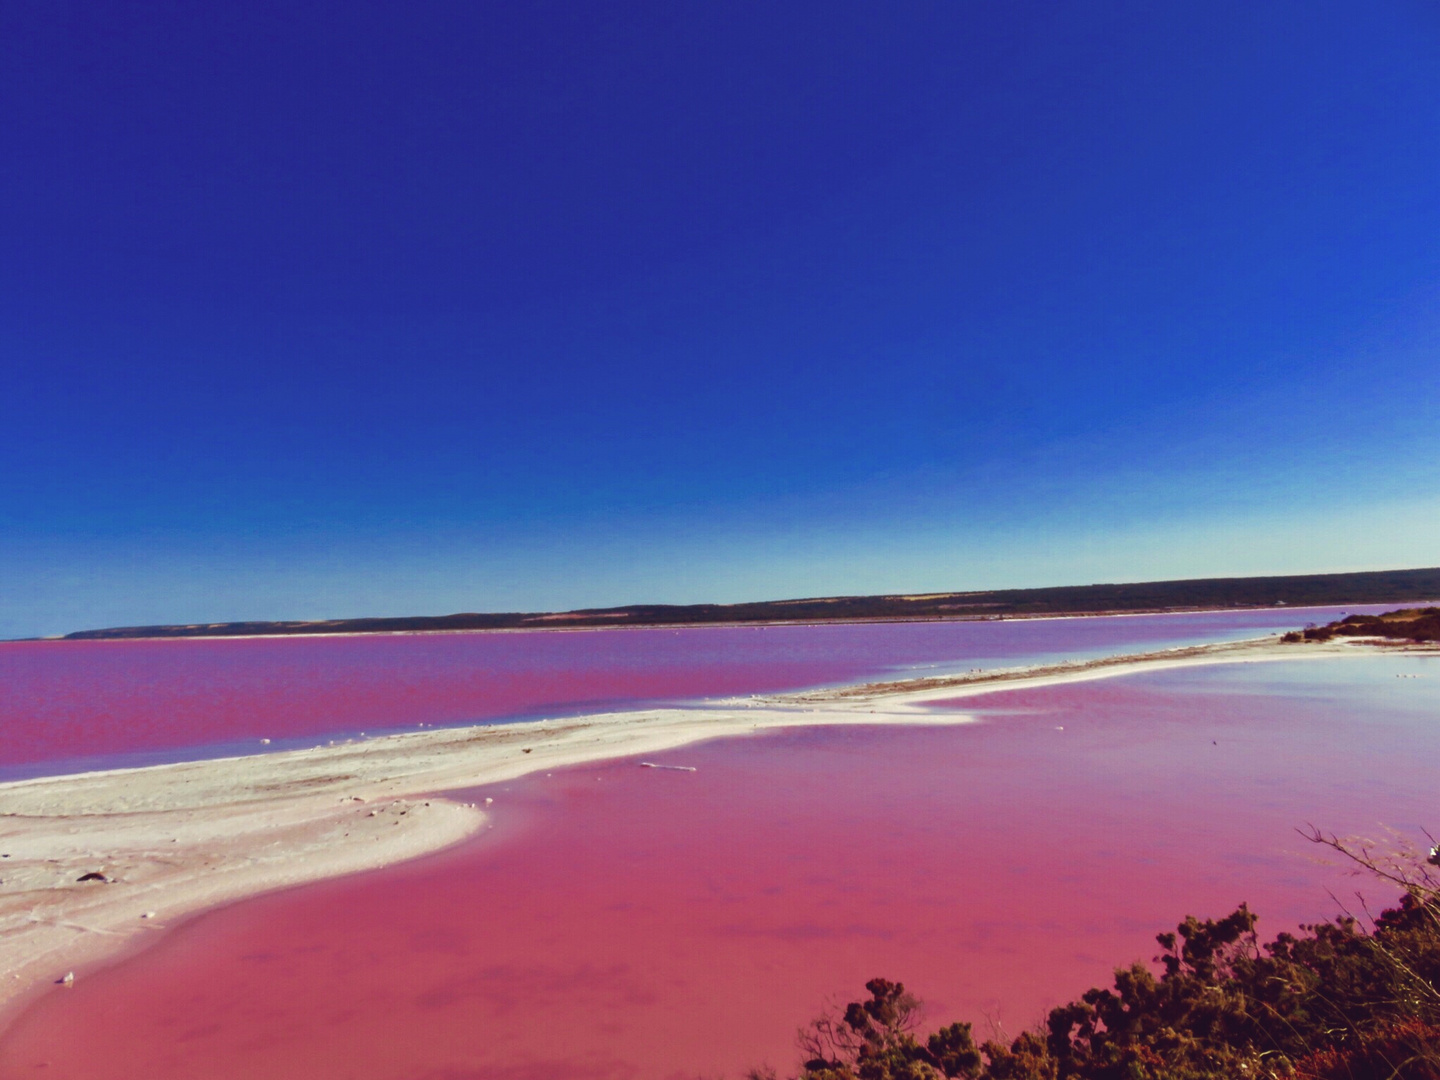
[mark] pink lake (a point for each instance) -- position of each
(621, 922)
(66, 706)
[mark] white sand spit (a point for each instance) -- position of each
(156, 844)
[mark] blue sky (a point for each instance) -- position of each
(315, 309)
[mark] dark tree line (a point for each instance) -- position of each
(1371, 587)
(1407, 624)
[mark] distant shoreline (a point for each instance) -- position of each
(174, 840)
(1071, 601)
(755, 624)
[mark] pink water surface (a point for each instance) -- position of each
(622, 922)
(66, 705)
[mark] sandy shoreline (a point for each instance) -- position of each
(172, 840)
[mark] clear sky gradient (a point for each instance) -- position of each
(329, 309)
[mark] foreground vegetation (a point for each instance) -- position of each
(1342, 1000)
(1406, 624)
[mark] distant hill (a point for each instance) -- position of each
(1377, 587)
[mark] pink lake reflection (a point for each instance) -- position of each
(633, 923)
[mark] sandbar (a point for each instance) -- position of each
(160, 843)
